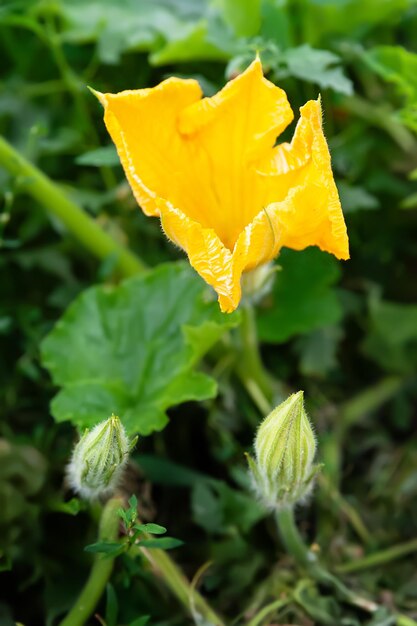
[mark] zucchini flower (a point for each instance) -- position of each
(283, 472)
(210, 169)
(99, 458)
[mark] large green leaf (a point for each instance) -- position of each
(302, 298)
(132, 349)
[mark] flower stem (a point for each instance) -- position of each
(83, 227)
(185, 592)
(308, 560)
(101, 570)
(250, 368)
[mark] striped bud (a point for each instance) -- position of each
(98, 459)
(283, 470)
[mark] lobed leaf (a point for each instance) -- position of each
(131, 349)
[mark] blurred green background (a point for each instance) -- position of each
(346, 333)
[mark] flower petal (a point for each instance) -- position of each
(199, 153)
(206, 253)
(143, 125)
(311, 214)
(257, 244)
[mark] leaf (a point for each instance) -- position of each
(126, 25)
(165, 543)
(302, 298)
(243, 17)
(318, 351)
(105, 156)
(153, 529)
(140, 621)
(392, 336)
(206, 508)
(112, 606)
(164, 472)
(191, 44)
(355, 198)
(317, 66)
(131, 349)
(110, 548)
(397, 65)
(217, 508)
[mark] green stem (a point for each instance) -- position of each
(267, 610)
(308, 560)
(379, 558)
(101, 570)
(185, 592)
(85, 228)
(250, 368)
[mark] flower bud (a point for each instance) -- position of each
(258, 283)
(283, 470)
(99, 458)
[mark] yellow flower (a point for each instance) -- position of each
(209, 169)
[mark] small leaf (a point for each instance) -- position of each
(153, 529)
(140, 621)
(106, 156)
(165, 543)
(110, 548)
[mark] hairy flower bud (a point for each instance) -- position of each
(99, 458)
(283, 470)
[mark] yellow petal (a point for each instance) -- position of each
(208, 167)
(143, 125)
(199, 154)
(311, 214)
(258, 243)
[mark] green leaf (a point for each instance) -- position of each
(165, 543)
(110, 548)
(317, 66)
(131, 349)
(302, 299)
(392, 336)
(112, 606)
(153, 529)
(318, 351)
(106, 156)
(397, 65)
(126, 25)
(217, 508)
(140, 621)
(355, 198)
(191, 44)
(243, 17)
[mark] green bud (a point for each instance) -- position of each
(258, 283)
(283, 470)
(99, 458)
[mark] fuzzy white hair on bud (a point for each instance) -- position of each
(98, 459)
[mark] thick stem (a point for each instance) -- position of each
(101, 570)
(185, 592)
(86, 229)
(250, 368)
(309, 561)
